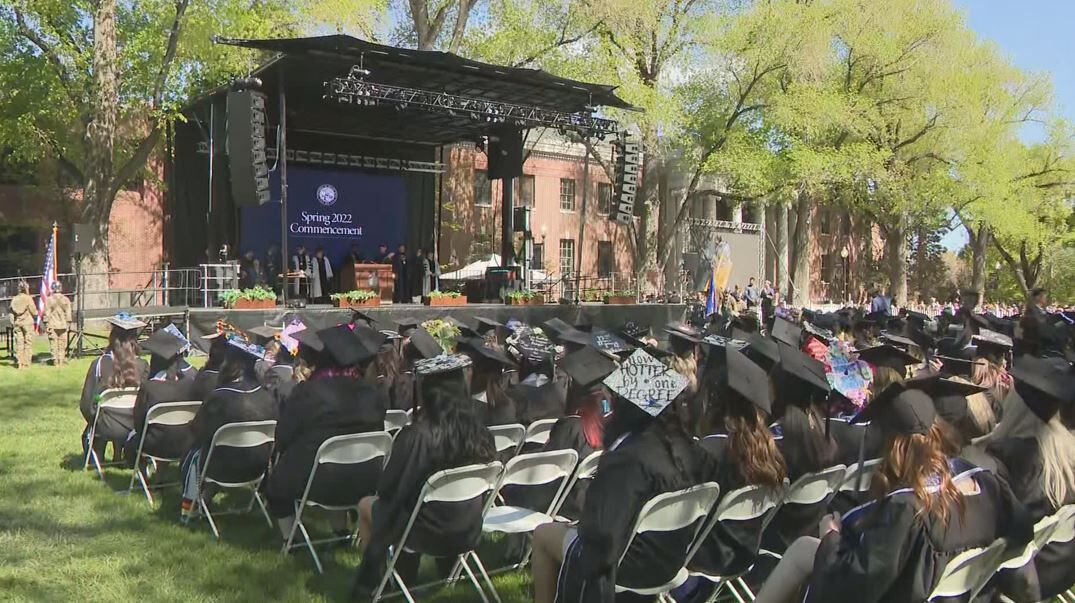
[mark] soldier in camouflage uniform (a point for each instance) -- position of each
(58, 319)
(23, 312)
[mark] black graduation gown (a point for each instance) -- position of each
(731, 546)
(885, 554)
(204, 383)
(169, 441)
(1020, 464)
(534, 403)
(316, 411)
(98, 377)
(236, 402)
(630, 474)
(848, 437)
(794, 520)
(186, 371)
(504, 413)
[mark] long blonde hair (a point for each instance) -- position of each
(993, 376)
(688, 367)
(1055, 444)
(914, 461)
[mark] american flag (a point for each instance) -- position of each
(48, 276)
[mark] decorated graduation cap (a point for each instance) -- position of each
(646, 382)
(163, 344)
(900, 410)
(763, 351)
(634, 332)
(251, 349)
(441, 365)
(485, 354)
(287, 335)
(748, 380)
(991, 344)
(1045, 384)
(426, 346)
(532, 345)
(815, 330)
(683, 332)
(588, 366)
(786, 331)
(717, 343)
(889, 356)
(608, 342)
(175, 332)
(803, 368)
(125, 321)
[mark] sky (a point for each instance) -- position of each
(1036, 36)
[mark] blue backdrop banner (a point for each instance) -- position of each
(332, 209)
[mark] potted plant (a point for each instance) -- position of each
(524, 298)
(621, 297)
(258, 298)
(359, 298)
(444, 298)
(443, 332)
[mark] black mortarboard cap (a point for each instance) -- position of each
(683, 332)
(406, 325)
(608, 342)
(656, 352)
(786, 331)
(898, 340)
(803, 368)
(898, 410)
(360, 317)
(342, 345)
(487, 324)
(918, 319)
(1045, 384)
(588, 366)
(485, 354)
(424, 343)
(888, 355)
(764, 351)
(370, 339)
(991, 343)
(309, 338)
(940, 385)
(952, 408)
(748, 380)
(265, 333)
(740, 334)
(635, 331)
(554, 326)
(575, 337)
(163, 344)
(442, 364)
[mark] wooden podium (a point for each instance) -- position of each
(369, 277)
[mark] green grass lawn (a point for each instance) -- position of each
(65, 536)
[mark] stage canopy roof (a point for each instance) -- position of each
(309, 64)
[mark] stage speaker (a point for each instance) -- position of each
(82, 239)
(505, 154)
(520, 220)
(246, 148)
(628, 151)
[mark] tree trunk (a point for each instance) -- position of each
(800, 251)
(979, 241)
(782, 282)
(897, 262)
(101, 135)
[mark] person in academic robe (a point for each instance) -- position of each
(740, 451)
(446, 432)
(488, 382)
(924, 513)
(383, 256)
(166, 384)
(648, 451)
(400, 268)
(334, 401)
(206, 379)
(430, 273)
(237, 398)
(321, 284)
(302, 263)
(118, 367)
(990, 370)
(1034, 323)
(801, 390)
(1035, 454)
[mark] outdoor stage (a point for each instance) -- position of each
(203, 320)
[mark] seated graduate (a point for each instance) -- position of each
(1035, 453)
(237, 398)
(990, 371)
(647, 452)
(183, 368)
(801, 390)
(895, 548)
(118, 367)
(446, 432)
(206, 379)
(333, 401)
(387, 367)
(542, 387)
(740, 451)
(488, 381)
(166, 385)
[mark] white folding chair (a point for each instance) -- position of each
(247, 434)
(450, 485)
(969, 572)
(508, 437)
(394, 420)
(350, 449)
(117, 403)
(538, 432)
(857, 478)
(670, 512)
(812, 489)
(750, 503)
(528, 470)
(586, 470)
(165, 414)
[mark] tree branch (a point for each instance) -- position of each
(50, 55)
(558, 44)
(135, 162)
(169, 51)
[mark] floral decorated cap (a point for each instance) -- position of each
(646, 382)
(287, 335)
(252, 349)
(175, 332)
(442, 364)
(124, 320)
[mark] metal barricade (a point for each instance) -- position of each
(215, 279)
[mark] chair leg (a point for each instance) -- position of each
(310, 546)
(402, 587)
(261, 505)
(291, 533)
(735, 593)
(485, 576)
(145, 487)
(746, 589)
(473, 580)
(208, 516)
(716, 592)
(137, 473)
(389, 574)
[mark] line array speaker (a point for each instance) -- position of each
(246, 148)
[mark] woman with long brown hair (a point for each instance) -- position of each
(118, 367)
(894, 548)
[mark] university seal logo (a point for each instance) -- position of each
(326, 195)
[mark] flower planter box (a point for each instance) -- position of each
(624, 300)
(366, 303)
(254, 304)
(537, 301)
(444, 301)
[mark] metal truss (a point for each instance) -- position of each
(354, 89)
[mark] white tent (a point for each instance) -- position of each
(476, 271)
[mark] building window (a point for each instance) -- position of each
(483, 189)
(524, 192)
(825, 221)
(539, 256)
(604, 259)
(567, 194)
(827, 268)
(567, 256)
(604, 198)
